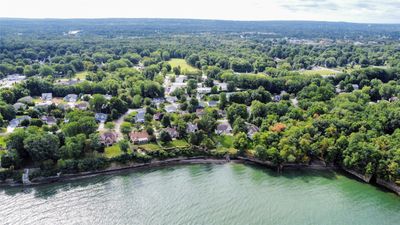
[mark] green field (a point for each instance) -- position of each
(2, 142)
(224, 140)
(81, 75)
(113, 151)
(150, 147)
(183, 64)
(322, 72)
(176, 144)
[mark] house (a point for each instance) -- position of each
(82, 105)
(191, 128)
(212, 103)
(202, 104)
(204, 90)
(158, 116)
(175, 86)
(26, 100)
(355, 86)
(221, 86)
(157, 101)
(277, 98)
(49, 120)
(200, 112)
(393, 99)
(107, 96)
(171, 99)
(15, 122)
(17, 106)
(172, 132)
(338, 89)
(139, 137)
(71, 98)
(223, 128)
(68, 82)
(139, 118)
(180, 79)
(171, 108)
(47, 96)
(108, 138)
(43, 105)
(101, 117)
(251, 130)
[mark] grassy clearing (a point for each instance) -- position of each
(183, 64)
(176, 144)
(2, 142)
(81, 75)
(321, 72)
(150, 147)
(113, 151)
(224, 140)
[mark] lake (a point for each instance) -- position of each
(203, 194)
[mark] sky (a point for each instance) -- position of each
(365, 11)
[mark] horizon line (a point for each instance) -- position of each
(199, 19)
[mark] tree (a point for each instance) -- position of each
(239, 126)
(42, 146)
(74, 147)
(16, 141)
(207, 124)
(177, 70)
(165, 137)
(222, 100)
(97, 102)
(109, 125)
(235, 111)
(191, 86)
(126, 128)
(124, 145)
(240, 142)
(166, 120)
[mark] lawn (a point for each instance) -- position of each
(2, 142)
(322, 72)
(81, 75)
(224, 140)
(183, 64)
(150, 147)
(113, 151)
(176, 143)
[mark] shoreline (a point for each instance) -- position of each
(115, 169)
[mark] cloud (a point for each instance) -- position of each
(306, 5)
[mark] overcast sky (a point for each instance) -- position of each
(368, 11)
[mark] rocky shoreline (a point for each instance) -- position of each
(117, 168)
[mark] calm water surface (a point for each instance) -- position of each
(203, 194)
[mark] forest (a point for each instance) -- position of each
(77, 95)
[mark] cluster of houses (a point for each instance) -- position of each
(10, 80)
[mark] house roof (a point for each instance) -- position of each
(224, 126)
(172, 132)
(109, 136)
(134, 135)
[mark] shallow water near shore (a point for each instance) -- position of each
(203, 194)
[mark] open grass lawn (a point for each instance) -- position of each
(81, 75)
(2, 142)
(113, 151)
(183, 64)
(150, 147)
(322, 72)
(175, 143)
(224, 140)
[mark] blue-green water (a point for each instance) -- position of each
(203, 194)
